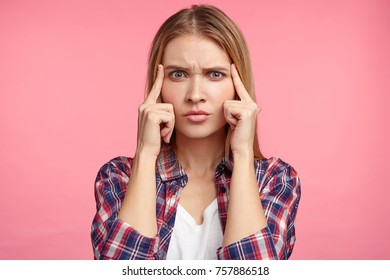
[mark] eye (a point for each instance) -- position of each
(177, 75)
(215, 75)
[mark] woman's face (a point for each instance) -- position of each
(197, 82)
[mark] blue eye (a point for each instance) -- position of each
(215, 75)
(177, 74)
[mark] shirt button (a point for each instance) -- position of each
(223, 189)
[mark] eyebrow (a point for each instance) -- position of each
(216, 68)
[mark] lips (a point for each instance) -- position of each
(197, 116)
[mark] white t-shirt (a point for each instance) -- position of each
(190, 241)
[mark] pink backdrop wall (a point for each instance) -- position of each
(72, 76)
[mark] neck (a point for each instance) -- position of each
(200, 155)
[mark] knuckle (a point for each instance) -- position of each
(141, 108)
(255, 108)
(147, 110)
(247, 114)
(151, 117)
(170, 106)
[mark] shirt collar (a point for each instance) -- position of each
(167, 164)
(226, 163)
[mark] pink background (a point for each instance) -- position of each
(72, 76)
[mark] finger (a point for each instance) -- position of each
(156, 89)
(231, 115)
(166, 134)
(239, 86)
(167, 131)
(146, 108)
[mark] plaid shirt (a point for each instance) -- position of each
(112, 238)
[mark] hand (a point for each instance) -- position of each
(241, 116)
(155, 120)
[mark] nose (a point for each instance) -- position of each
(195, 92)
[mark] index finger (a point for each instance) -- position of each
(239, 86)
(156, 88)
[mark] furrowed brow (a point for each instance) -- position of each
(175, 67)
(207, 69)
(216, 68)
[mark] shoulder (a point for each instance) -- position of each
(111, 180)
(277, 170)
(118, 166)
(272, 165)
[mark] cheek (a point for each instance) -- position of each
(167, 91)
(231, 91)
(223, 91)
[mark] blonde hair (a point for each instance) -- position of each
(210, 22)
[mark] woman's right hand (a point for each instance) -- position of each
(155, 120)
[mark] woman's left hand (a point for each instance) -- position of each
(241, 116)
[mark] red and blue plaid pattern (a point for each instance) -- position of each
(112, 238)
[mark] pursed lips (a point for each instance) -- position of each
(199, 112)
(196, 116)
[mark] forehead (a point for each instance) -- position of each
(194, 50)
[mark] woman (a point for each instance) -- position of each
(198, 186)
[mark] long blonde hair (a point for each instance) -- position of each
(210, 22)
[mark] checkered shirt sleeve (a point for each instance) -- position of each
(280, 194)
(112, 238)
